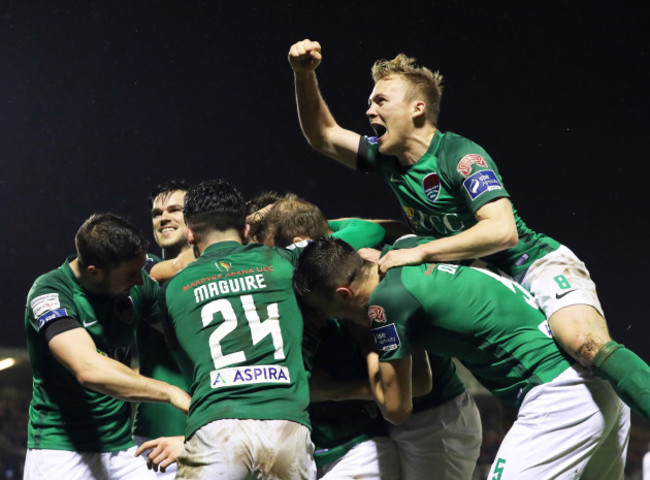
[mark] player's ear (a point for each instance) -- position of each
(189, 234)
(419, 108)
(96, 273)
(343, 292)
(298, 239)
(245, 233)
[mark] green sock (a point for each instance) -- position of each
(628, 374)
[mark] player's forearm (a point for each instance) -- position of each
(484, 238)
(113, 378)
(313, 113)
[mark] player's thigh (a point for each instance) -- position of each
(170, 471)
(559, 428)
(608, 463)
(560, 279)
(236, 449)
(374, 459)
(445, 439)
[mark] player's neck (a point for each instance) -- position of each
(218, 236)
(416, 145)
(169, 253)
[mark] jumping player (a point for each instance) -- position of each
(450, 188)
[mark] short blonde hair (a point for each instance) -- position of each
(423, 82)
(292, 217)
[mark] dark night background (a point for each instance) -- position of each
(100, 101)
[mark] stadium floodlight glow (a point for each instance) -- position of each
(7, 363)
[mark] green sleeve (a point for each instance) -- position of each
(358, 233)
(392, 311)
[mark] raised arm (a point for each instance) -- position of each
(76, 351)
(316, 121)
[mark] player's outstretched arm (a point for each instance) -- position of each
(316, 121)
(164, 452)
(494, 231)
(76, 351)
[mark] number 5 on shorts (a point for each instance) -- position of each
(498, 469)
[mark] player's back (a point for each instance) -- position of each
(236, 317)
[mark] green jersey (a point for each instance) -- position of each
(63, 415)
(236, 318)
(156, 361)
(337, 426)
(442, 191)
(491, 324)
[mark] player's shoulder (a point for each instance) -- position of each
(460, 154)
(53, 281)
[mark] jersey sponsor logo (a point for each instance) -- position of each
(464, 166)
(386, 337)
(371, 140)
(45, 303)
(51, 315)
(446, 224)
(481, 182)
(431, 186)
(377, 313)
(249, 375)
(222, 266)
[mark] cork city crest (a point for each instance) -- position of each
(431, 186)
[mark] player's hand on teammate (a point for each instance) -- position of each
(398, 258)
(164, 452)
(305, 56)
(370, 254)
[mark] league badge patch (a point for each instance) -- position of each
(45, 303)
(464, 166)
(431, 186)
(371, 140)
(386, 338)
(377, 313)
(481, 182)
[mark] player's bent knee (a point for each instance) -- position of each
(581, 332)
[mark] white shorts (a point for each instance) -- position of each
(444, 439)
(559, 279)
(572, 427)
(374, 459)
(170, 471)
(43, 464)
(235, 449)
